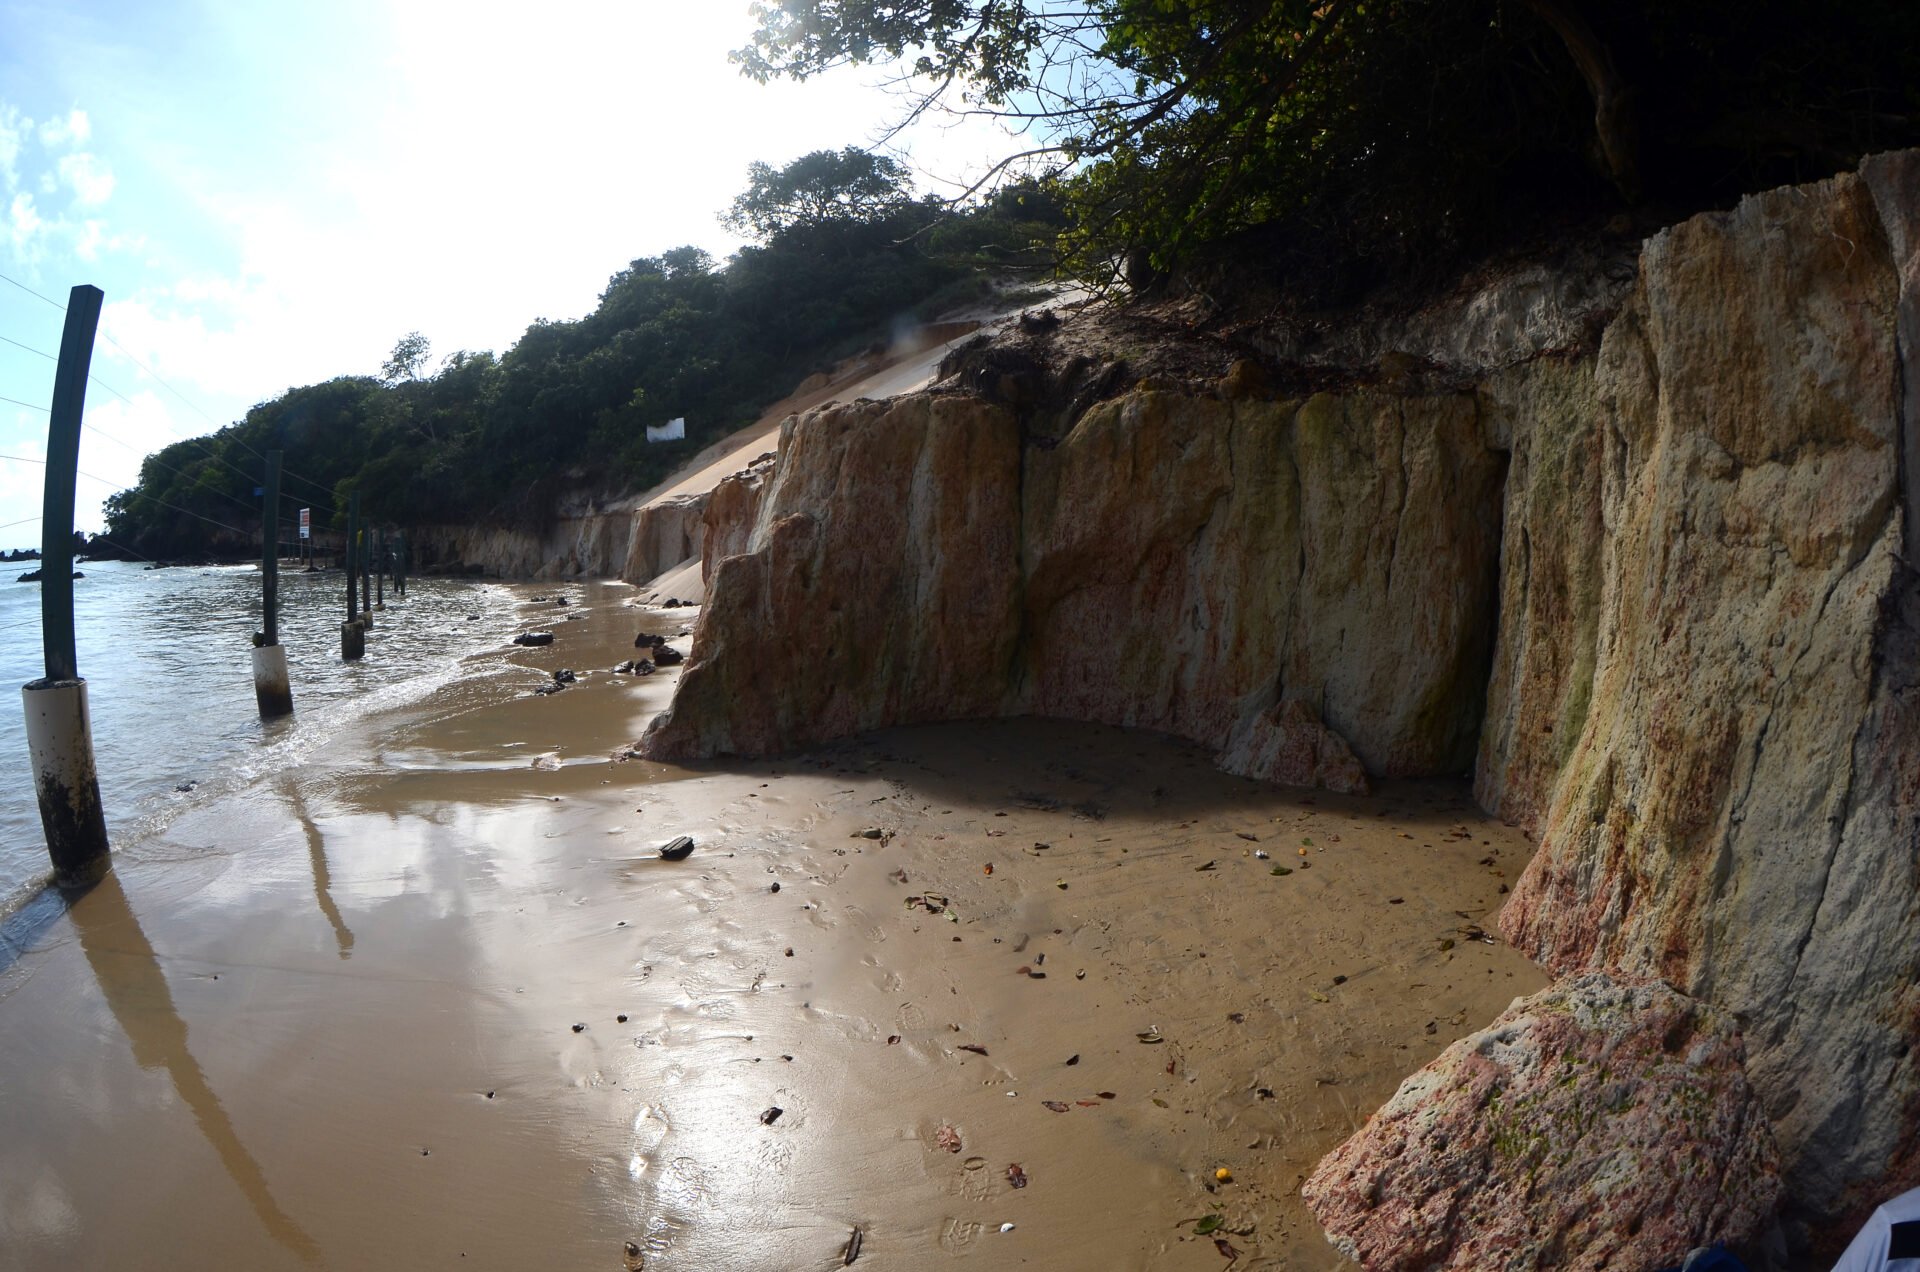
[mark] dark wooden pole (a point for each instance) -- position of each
(271, 689)
(63, 464)
(270, 553)
(353, 633)
(353, 531)
(59, 731)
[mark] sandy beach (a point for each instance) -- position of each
(431, 1001)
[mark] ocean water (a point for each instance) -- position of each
(167, 655)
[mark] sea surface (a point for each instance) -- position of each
(167, 656)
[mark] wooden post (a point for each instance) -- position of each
(353, 636)
(59, 731)
(380, 574)
(400, 566)
(363, 549)
(271, 689)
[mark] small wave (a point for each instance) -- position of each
(174, 721)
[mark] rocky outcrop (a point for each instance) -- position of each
(1593, 1125)
(1548, 416)
(1660, 597)
(1289, 744)
(614, 540)
(664, 534)
(1189, 562)
(590, 541)
(730, 514)
(1340, 552)
(805, 638)
(1740, 813)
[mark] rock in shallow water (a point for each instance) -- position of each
(1595, 1124)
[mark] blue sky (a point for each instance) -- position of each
(272, 194)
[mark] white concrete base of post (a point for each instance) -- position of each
(271, 688)
(60, 747)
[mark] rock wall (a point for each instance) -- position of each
(1547, 412)
(611, 541)
(593, 544)
(732, 509)
(1740, 812)
(880, 587)
(1190, 561)
(663, 535)
(913, 561)
(1660, 598)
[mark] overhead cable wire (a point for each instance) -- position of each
(23, 287)
(217, 426)
(155, 376)
(138, 494)
(141, 494)
(29, 348)
(94, 428)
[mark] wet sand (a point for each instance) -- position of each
(332, 1023)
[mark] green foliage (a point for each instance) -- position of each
(408, 356)
(496, 439)
(1375, 133)
(846, 188)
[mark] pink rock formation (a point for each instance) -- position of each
(880, 588)
(1288, 744)
(1740, 811)
(731, 511)
(1593, 1125)
(1176, 563)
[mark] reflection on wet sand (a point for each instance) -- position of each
(322, 878)
(130, 979)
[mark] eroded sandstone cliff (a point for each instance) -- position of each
(1657, 596)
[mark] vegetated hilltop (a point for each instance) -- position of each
(1326, 145)
(844, 253)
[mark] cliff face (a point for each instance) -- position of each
(1658, 598)
(1738, 813)
(614, 541)
(913, 561)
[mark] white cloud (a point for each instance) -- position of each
(13, 130)
(23, 481)
(88, 177)
(92, 238)
(73, 130)
(23, 225)
(117, 435)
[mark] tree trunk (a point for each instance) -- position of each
(1613, 120)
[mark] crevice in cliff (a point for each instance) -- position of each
(1400, 505)
(1480, 664)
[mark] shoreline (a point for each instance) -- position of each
(338, 1006)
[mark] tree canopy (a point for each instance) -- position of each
(497, 439)
(848, 187)
(1382, 128)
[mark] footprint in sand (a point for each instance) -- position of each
(868, 928)
(958, 1234)
(911, 1018)
(772, 1156)
(684, 1185)
(971, 1180)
